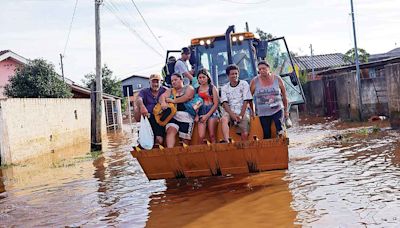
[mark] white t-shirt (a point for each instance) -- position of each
(236, 95)
(181, 67)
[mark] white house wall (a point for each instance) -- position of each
(30, 127)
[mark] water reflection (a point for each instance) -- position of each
(76, 189)
(349, 182)
(257, 200)
(352, 180)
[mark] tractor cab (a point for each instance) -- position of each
(215, 53)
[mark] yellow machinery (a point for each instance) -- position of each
(195, 160)
(254, 155)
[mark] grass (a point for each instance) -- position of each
(63, 162)
(376, 129)
(362, 131)
(5, 166)
(368, 130)
(88, 157)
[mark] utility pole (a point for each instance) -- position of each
(62, 66)
(247, 27)
(312, 63)
(96, 140)
(358, 78)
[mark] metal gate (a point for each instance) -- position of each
(111, 114)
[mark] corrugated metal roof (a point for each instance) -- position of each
(370, 64)
(320, 62)
(390, 54)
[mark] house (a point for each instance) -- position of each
(390, 54)
(319, 62)
(134, 83)
(9, 62)
(336, 94)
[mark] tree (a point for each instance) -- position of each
(275, 57)
(37, 79)
(363, 55)
(111, 85)
(263, 35)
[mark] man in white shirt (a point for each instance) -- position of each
(182, 68)
(235, 98)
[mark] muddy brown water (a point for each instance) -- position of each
(340, 175)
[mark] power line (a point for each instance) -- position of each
(153, 66)
(128, 10)
(151, 31)
(113, 9)
(148, 67)
(70, 27)
(133, 31)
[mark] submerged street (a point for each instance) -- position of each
(340, 175)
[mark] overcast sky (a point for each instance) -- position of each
(39, 28)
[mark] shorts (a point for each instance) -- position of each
(204, 109)
(157, 129)
(183, 122)
(243, 125)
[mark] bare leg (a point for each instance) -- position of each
(159, 140)
(201, 131)
(186, 141)
(171, 133)
(212, 125)
(244, 136)
(225, 128)
(136, 114)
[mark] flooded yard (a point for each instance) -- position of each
(340, 175)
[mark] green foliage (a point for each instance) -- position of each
(275, 56)
(376, 129)
(363, 55)
(263, 35)
(37, 79)
(303, 77)
(111, 84)
(363, 131)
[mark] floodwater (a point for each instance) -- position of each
(340, 175)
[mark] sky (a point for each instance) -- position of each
(40, 28)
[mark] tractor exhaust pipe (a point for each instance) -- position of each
(229, 31)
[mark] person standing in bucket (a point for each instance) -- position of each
(235, 98)
(147, 99)
(182, 68)
(270, 99)
(168, 70)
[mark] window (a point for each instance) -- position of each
(139, 86)
(215, 59)
(371, 73)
